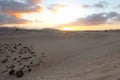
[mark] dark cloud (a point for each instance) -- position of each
(97, 19)
(9, 19)
(112, 14)
(101, 4)
(117, 18)
(15, 7)
(93, 19)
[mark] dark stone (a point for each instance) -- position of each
(7, 66)
(14, 59)
(15, 47)
(19, 56)
(23, 68)
(19, 74)
(34, 55)
(19, 44)
(20, 63)
(30, 57)
(24, 47)
(12, 51)
(12, 66)
(28, 66)
(24, 65)
(11, 72)
(29, 69)
(25, 58)
(32, 52)
(31, 62)
(4, 61)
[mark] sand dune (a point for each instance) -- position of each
(70, 55)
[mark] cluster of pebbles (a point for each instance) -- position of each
(16, 59)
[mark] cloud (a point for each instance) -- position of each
(85, 6)
(18, 8)
(117, 19)
(114, 17)
(12, 10)
(9, 19)
(93, 19)
(55, 7)
(97, 19)
(100, 4)
(112, 14)
(118, 6)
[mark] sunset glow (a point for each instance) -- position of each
(66, 29)
(59, 14)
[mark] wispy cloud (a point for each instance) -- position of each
(101, 4)
(55, 7)
(85, 6)
(118, 6)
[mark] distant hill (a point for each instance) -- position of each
(11, 29)
(48, 29)
(23, 29)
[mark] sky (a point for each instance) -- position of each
(60, 14)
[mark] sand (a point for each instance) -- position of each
(70, 55)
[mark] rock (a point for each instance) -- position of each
(31, 63)
(11, 72)
(29, 69)
(4, 61)
(12, 66)
(20, 44)
(20, 63)
(28, 66)
(19, 74)
(34, 55)
(14, 59)
(19, 56)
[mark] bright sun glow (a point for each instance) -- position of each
(66, 15)
(47, 18)
(63, 16)
(66, 29)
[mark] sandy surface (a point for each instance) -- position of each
(70, 55)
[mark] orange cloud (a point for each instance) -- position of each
(9, 19)
(37, 1)
(17, 8)
(60, 5)
(20, 13)
(11, 11)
